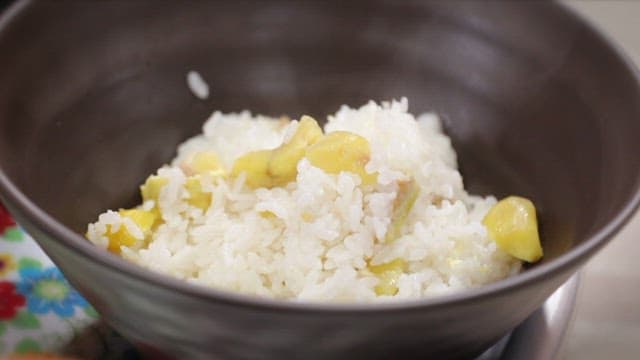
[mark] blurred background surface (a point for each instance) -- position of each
(607, 318)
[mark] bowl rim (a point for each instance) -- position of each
(23, 208)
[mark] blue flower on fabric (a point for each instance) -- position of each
(47, 291)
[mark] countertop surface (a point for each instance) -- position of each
(607, 319)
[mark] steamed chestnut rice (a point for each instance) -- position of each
(370, 207)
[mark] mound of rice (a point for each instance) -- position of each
(325, 230)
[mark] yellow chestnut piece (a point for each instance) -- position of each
(407, 195)
(277, 167)
(197, 197)
(342, 151)
(285, 158)
(256, 166)
(266, 214)
(388, 274)
(512, 224)
(150, 190)
(143, 219)
(206, 162)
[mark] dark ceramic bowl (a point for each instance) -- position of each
(93, 98)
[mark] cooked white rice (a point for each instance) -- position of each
(199, 88)
(327, 228)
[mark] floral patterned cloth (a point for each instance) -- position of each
(40, 311)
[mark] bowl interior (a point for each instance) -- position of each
(536, 104)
